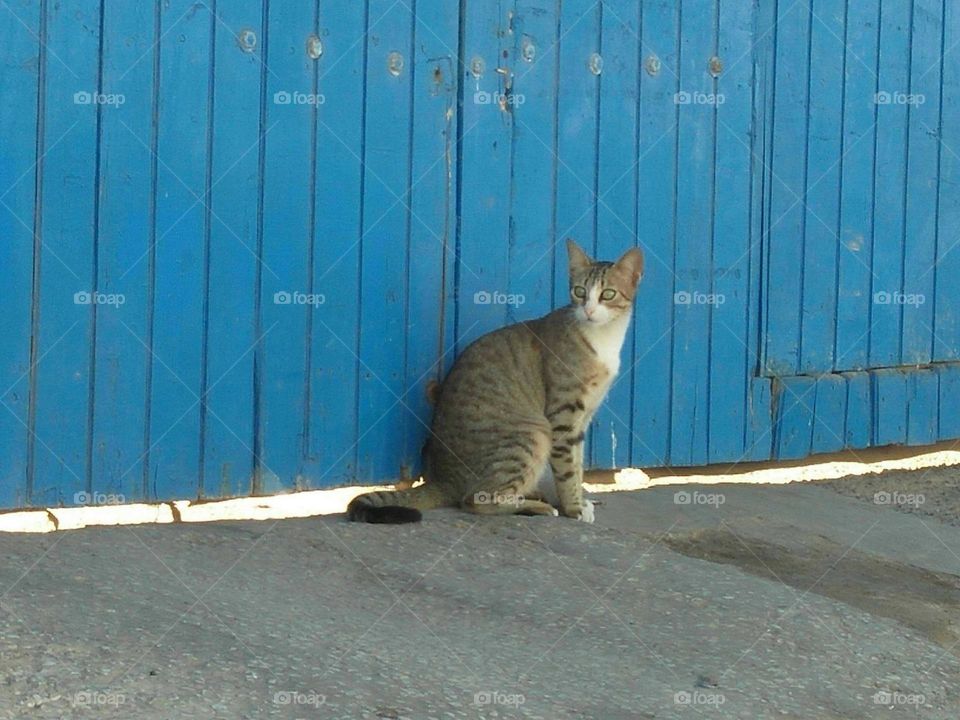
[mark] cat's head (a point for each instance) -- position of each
(603, 291)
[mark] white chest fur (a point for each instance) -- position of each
(607, 340)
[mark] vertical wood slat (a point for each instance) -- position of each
(126, 204)
(696, 148)
(64, 330)
(483, 164)
(20, 88)
(730, 345)
(434, 48)
(228, 452)
(618, 155)
(656, 225)
(384, 251)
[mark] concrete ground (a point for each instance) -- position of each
(717, 601)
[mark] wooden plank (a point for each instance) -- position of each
(483, 207)
(855, 249)
(922, 407)
(385, 249)
(760, 429)
(949, 401)
(432, 205)
(285, 291)
(794, 423)
(829, 402)
(858, 427)
(696, 148)
(533, 240)
(180, 252)
(889, 406)
(789, 171)
(731, 362)
(946, 319)
(822, 188)
(20, 29)
(228, 450)
(656, 227)
(923, 115)
(66, 263)
(333, 430)
(123, 251)
(891, 164)
(616, 210)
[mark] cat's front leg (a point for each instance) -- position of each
(566, 461)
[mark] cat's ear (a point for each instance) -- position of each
(579, 260)
(631, 262)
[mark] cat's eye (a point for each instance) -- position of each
(579, 292)
(608, 294)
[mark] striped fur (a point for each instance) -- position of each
(519, 399)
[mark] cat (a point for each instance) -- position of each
(518, 402)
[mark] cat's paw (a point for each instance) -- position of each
(586, 512)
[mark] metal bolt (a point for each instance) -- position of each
(314, 47)
(247, 39)
(395, 63)
(716, 66)
(595, 63)
(477, 66)
(528, 50)
(653, 65)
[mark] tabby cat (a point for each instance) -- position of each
(517, 404)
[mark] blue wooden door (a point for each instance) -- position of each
(238, 239)
(860, 295)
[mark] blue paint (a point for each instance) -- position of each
(422, 179)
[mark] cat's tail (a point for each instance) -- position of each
(397, 506)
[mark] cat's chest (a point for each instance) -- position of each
(607, 342)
